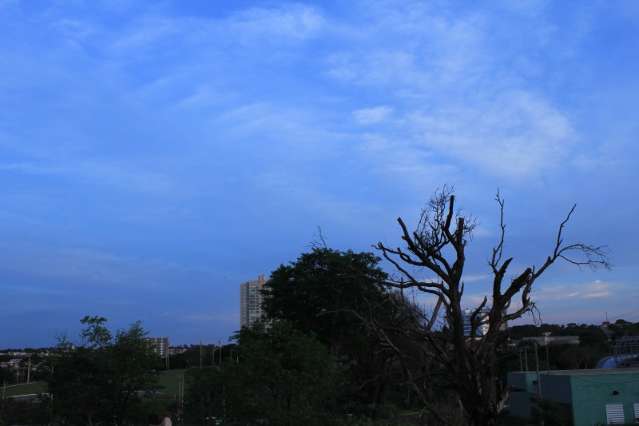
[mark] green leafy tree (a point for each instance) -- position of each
(318, 291)
(325, 292)
(95, 334)
(101, 381)
(279, 376)
(133, 367)
(79, 380)
(205, 397)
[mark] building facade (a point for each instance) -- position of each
(251, 302)
(582, 397)
(159, 345)
(482, 325)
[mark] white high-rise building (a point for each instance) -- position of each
(482, 318)
(251, 301)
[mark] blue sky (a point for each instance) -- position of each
(154, 155)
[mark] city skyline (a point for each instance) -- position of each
(155, 156)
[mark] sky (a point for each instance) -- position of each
(156, 154)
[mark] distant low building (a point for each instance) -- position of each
(626, 345)
(579, 397)
(552, 340)
(176, 350)
(159, 345)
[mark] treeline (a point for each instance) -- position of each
(326, 300)
(110, 379)
(316, 361)
(595, 343)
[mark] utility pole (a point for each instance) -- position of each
(547, 357)
(180, 399)
(541, 420)
(547, 343)
(29, 370)
(200, 354)
(538, 376)
(537, 365)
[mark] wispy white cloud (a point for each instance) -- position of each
(294, 22)
(473, 278)
(515, 134)
(544, 296)
(413, 165)
(584, 291)
(461, 101)
(373, 115)
(285, 24)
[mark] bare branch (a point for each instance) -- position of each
(469, 363)
(499, 249)
(593, 256)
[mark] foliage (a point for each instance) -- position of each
(316, 292)
(325, 292)
(102, 381)
(204, 354)
(30, 412)
(204, 398)
(281, 376)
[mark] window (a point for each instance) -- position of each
(614, 414)
(636, 410)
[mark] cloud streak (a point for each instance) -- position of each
(585, 291)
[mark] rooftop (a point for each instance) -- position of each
(588, 372)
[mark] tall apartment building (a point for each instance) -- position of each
(482, 326)
(482, 317)
(251, 301)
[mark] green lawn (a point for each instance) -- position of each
(170, 380)
(26, 389)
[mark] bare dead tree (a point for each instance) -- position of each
(468, 360)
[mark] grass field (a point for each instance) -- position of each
(169, 380)
(26, 389)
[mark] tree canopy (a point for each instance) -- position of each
(320, 290)
(102, 380)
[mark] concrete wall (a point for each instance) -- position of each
(585, 393)
(556, 388)
(591, 393)
(522, 389)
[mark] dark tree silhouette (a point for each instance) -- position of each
(466, 363)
